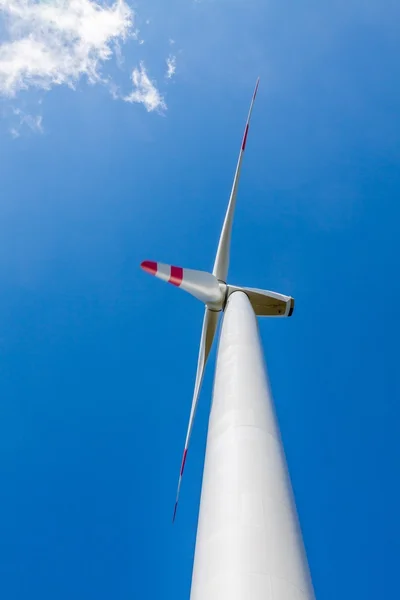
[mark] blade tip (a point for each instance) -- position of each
(149, 266)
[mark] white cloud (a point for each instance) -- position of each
(33, 122)
(59, 42)
(171, 66)
(14, 132)
(48, 43)
(145, 91)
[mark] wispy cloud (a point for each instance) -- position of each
(63, 42)
(33, 122)
(59, 42)
(145, 91)
(171, 67)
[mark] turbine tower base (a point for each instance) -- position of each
(249, 544)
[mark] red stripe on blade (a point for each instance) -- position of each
(149, 266)
(175, 507)
(246, 131)
(183, 461)
(176, 276)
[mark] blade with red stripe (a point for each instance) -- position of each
(221, 264)
(210, 323)
(203, 286)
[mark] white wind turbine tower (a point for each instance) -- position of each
(249, 544)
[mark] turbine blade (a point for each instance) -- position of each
(221, 264)
(210, 322)
(203, 286)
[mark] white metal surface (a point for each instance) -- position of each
(249, 544)
(221, 264)
(266, 303)
(210, 322)
(200, 284)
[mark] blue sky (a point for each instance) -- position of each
(97, 360)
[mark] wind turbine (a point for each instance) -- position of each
(249, 544)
